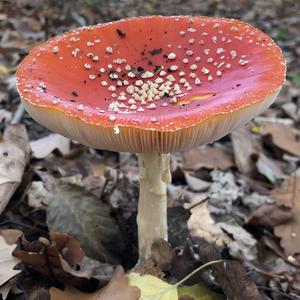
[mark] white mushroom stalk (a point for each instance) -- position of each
(152, 210)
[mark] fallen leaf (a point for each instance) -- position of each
(202, 225)
(270, 215)
(196, 184)
(70, 248)
(14, 153)
(11, 236)
(100, 271)
(296, 282)
(255, 200)
(41, 148)
(93, 184)
(282, 136)
(288, 195)
(243, 245)
(80, 214)
(7, 261)
(148, 267)
(207, 157)
(162, 254)
(37, 291)
(198, 292)
(223, 192)
(5, 116)
(6, 287)
(232, 276)
(291, 108)
(245, 146)
(98, 169)
(62, 256)
(269, 168)
(37, 195)
(3, 70)
(118, 288)
(4, 97)
(274, 245)
(153, 288)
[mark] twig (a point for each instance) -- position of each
(198, 203)
(268, 274)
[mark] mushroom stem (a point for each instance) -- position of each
(152, 210)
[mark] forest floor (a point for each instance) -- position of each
(238, 198)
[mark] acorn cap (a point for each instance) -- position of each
(151, 83)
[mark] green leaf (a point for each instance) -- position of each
(153, 288)
(199, 292)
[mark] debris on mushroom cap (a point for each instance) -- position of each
(134, 71)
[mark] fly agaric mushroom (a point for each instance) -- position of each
(151, 86)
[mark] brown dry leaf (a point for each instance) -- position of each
(69, 247)
(162, 253)
(7, 261)
(288, 195)
(270, 215)
(41, 148)
(14, 153)
(98, 169)
(274, 245)
(284, 137)
(118, 288)
(61, 256)
(244, 146)
(207, 157)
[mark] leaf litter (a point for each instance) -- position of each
(237, 196)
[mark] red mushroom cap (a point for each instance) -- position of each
(151, 83)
